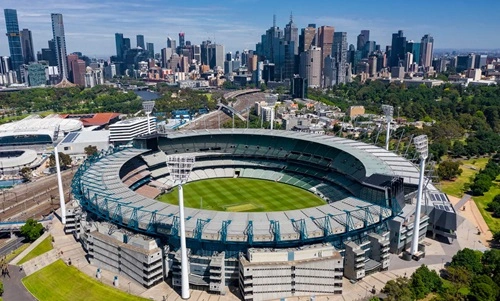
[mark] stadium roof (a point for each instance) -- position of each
(93, 119)
(35, 123)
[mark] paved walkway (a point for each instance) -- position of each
(14, 289)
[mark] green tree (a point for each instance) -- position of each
(26, 173)
(448, 170)
(90, 150)
(469, 259)
(481, 292)
(398, 290)
(32, 229)
(64, 160)
(424, 281)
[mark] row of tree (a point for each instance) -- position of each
(471, 275)
(484, 178)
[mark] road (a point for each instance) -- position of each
(35, 199)
(242, 104)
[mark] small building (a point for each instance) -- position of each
(124, 131)
(75, 143)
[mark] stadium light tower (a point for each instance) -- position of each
(60, 185)
(423, 149)
(180, 167)
(148, 107)
(388, 112)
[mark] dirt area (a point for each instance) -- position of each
(473, 215)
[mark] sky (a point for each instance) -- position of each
(90, 25)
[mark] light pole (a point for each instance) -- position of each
(129, 287)
(180, 167)
(60, 185)
(388, 112)
(421, 144)
(148, 107)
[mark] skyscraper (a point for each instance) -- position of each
(292, 35)
(140, 41)
(13, 36)
(307, 38)
(325, 41)
(339, 53)
(27, 46)
(171, 43)
(414, 49)
(182, 42)
(363, 37)
(397, 49)
(310, 66)
(119, 45)
(150, 47)
(426, 50)
(60, 44)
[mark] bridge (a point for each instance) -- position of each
(234, 94)
(230, 111)
(10, 227)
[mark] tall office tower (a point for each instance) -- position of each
(13, 36)
(408, 61)
(49, 54)
(150, 47)
(252, 63)
(307, 38)
(171, 43)
(60, 44)
(79, 69)
(426, 50)
(414, 48)
(292, 35)
(181, 40)
(126, 46)
(119, 46)
(339, 54)
(229, 56)
(197, 53)
(271, 48)
(368, 49)
(216, 56)
(71, 58)
(27, 46)
(465, 62)
(363, 37)
(310, 66)
(372, 65)
(5, 65)
(140, 41)
(397, 48)
(325, 41)
(481, 60)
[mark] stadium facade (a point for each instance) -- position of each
(368, 213)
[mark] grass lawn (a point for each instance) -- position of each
(58, 281)
(43, 247)
(243, 195)
(483, 201)
(16, 252)
(470, 168)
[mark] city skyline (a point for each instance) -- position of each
(90, 25)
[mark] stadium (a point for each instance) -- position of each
(353, 205)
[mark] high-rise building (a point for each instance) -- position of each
(292, 35)
(150, 47)
(397, 48)
(36, 75)
(414, 49)
(339, 54)
(171, 43)
(466, 62)
(181, 40)
(27, 46)
(60, 44)
(481, 60)
(408, 61)
(310, 66)
(71, 58)
(307, 38)
(79, 70)
(271, 48)
(126, 46)
(325, 42)
(119, 45)
(13, 36)
(363, 37)
(426, 51)
(140, 41)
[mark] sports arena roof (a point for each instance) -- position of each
(34, 123)
(94, 119)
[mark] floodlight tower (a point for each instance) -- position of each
(148, 107)
(60, 186)
(422, 147)
(388, 112)
(180, 167)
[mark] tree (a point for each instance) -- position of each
(64, 160)
(90, 150)
(26, 173)
(458, 275)
(424, 281)
(398, 290)
(449, 170)
(469, 259)
(32, 229)
(481, 292)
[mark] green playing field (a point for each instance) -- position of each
(243, 195)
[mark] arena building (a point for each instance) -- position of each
(368, 211)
